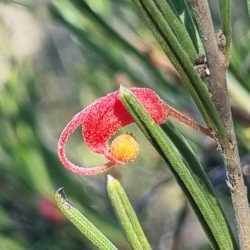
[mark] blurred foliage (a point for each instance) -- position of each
(56, 59)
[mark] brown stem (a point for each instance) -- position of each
(217, 83)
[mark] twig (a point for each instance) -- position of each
(217, 63)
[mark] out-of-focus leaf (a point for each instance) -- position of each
(35, 164)
(237, 66)
(5, 220)
(115, 37)
(10, 244)
(239, 95)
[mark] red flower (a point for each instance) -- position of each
(103, 118)
(48, 209)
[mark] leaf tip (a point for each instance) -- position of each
(123, 90)
(61, 193)
(110, 178)
(111, 183)
(122, 87)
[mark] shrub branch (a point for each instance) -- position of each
(217, 63)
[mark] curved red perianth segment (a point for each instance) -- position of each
(101, 120)
(107, 115)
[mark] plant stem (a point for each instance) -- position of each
(218, 88)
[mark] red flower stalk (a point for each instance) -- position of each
(103, 118)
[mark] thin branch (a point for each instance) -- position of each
(216, 59)
(218, 87)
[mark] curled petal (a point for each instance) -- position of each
(101, 120)
(107, 115)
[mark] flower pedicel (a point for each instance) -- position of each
(103, 118)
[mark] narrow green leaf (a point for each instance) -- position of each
(166, 48)
(178, 28)
(190, 26)
(192, 181)
(185, 150)
(126, 215)
(10, 243)
(183, 64)
(225, 10)
(90, 231)
(177, 5)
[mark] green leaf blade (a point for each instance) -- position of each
(178, 28)
(180, 59)
(195, 186)
(89, 230)
(126, 215)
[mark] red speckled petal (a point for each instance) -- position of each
(104, 118)
(107, 115)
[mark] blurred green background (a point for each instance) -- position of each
(56, 57)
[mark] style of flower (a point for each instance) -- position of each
(103, 119)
